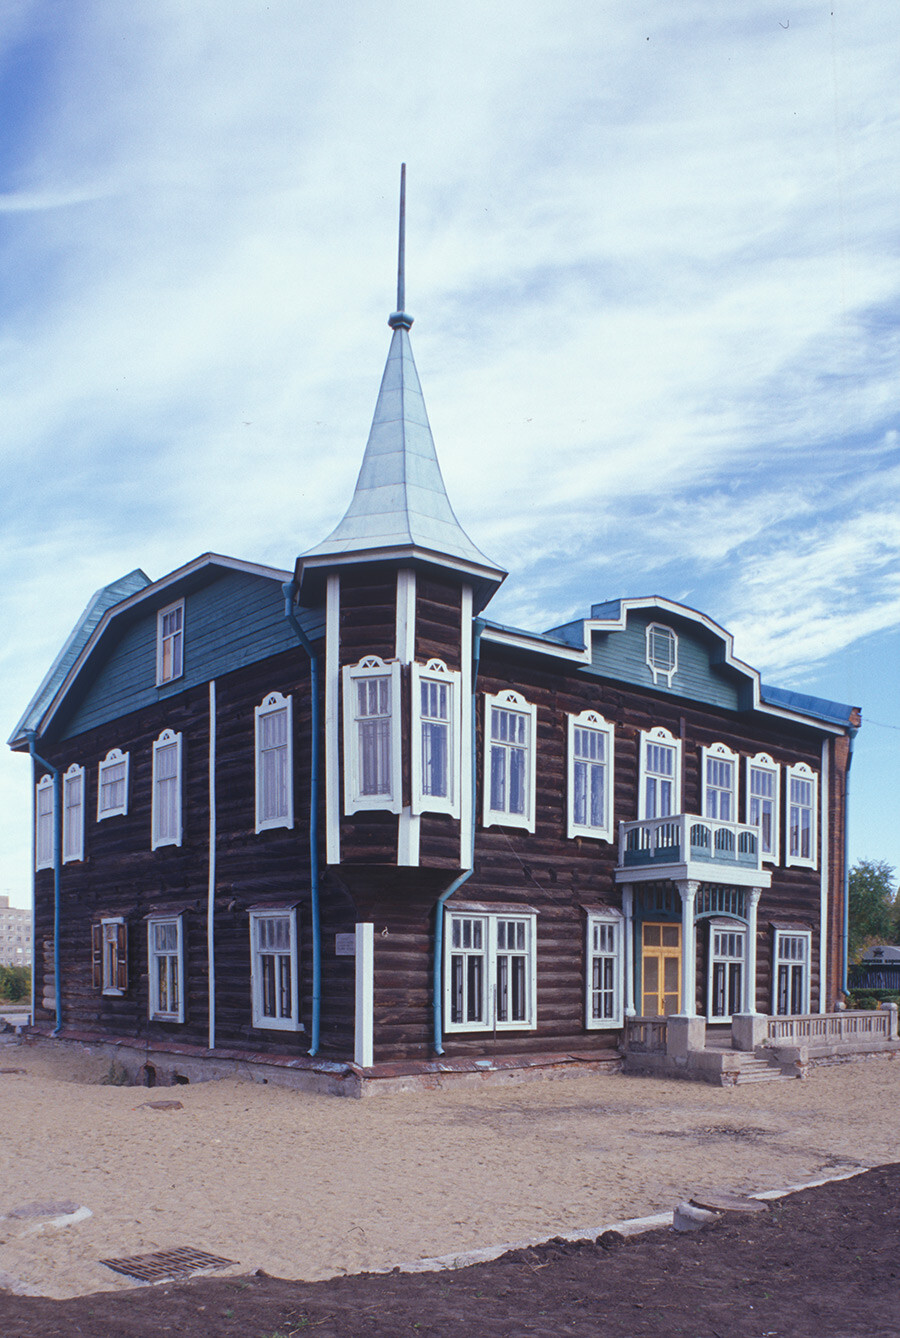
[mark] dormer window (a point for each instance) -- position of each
(170, 643)
(662, 652)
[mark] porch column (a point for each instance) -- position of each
(687, 888)
(749, 991)
(628, 912)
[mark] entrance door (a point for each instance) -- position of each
(661, 969)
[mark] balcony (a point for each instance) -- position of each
(691, 847)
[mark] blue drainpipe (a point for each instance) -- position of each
(289, 589)
(57, 858)
(438, 992)
(846, 929)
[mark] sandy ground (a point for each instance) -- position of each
(308, 1187)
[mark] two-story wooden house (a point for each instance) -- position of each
(336, 822)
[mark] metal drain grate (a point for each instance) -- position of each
(164, 1264)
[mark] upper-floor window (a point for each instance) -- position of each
(590, 776)
(489, 971)
(44, 819)
(170, 643)
(802, 787)
(166, 821)
(372, 761)
(605, 958)
(763, 786)
(112, 785)
(719, 783)
(662, 652)
(165, 963)
(274, 763)
(435, 739)
(73, 814)
(660, 774)
(509, 761)
(273, 969)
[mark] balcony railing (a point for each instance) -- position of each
(683, 838)
(845, 1028)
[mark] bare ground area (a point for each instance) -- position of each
(307, 1187)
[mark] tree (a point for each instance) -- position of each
(873, 906)
(15, 983)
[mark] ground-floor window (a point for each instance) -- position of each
(791, 971)
(726, 971)
(273, 969)
(109, 955)
(604, 970)
(165, 956)
(489, 971)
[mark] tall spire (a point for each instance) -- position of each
(400, 507)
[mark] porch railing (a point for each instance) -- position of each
(683, 837)
(829, 1028)
(645, 1033)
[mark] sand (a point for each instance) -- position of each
(306, 1186)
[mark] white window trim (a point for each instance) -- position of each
(43, 859)
(259, 1020)
(655, 669)
(173, 678)
(155, 1013)
(662, 736)
(763, 762)
(511, 701)
(489, 919)
(435, 671)
(167, 739)
(616, 918)
(591, 720)
(777, 959)
(805, 773)
(371, 666)
(112, 758)
(113, 991)
(272, 702)
(724, 926)
(75, 772)
(719, 752)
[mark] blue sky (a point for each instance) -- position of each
(653, 260)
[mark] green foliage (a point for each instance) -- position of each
(15, 983)
(874, 909)
(871, 998)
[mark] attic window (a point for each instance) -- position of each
(170, 643)
(662, 652)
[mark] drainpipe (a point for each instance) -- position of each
(57, 861)
(845, 933)
(438, 992)
(289, 589)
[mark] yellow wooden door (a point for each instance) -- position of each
(661, 969)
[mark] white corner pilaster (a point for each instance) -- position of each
(467, 761)
(824, 875)
(687, 889)
(628, 912)
(332, 719)
(364, 1023)
(405, 650)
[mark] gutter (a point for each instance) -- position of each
(290, 589)
(845, 931)
(438, 992)
(57, 861)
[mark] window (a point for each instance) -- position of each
(590, 776)
(165, 967)
(73, 814)
(44, 818)
(489, 975)
(726, 971)
(719, 783)
(509, 761)
(372, 776)
(660, 779)
(112, 785)
(273, 969)
(763, 783)
(791, 975)
(109, 955)
(662, 652)
(170, 643)
(274, 763)
(435, 747)
(801, 816)
(604, 970)
(166, 820)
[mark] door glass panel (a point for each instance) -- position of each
(671, 935)
(652, 935)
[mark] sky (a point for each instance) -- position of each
(652, 256)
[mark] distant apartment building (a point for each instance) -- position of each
(15, 935)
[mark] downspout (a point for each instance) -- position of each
(845, 934)
(438, 992)
(57, 860)
(289, 589)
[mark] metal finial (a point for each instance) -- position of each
(399, 320)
